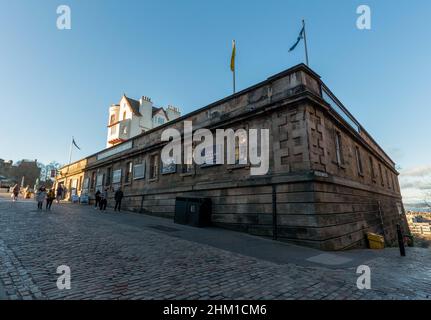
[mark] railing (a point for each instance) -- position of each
(338, 107)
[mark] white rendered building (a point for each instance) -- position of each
(131, 117)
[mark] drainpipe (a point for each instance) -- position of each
(274, 212)
(142, 204)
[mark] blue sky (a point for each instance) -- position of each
(55, 84)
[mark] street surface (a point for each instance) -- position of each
(133, 256)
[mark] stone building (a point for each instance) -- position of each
(27, 171)
(6, 168)
(71, 178)
(131, 117)
(328, 182)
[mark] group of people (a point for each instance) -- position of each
(43, 195)
(102, 199)
(50, 195)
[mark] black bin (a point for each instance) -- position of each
(193, 211)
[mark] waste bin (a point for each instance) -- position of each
(193, 211)
(375, 241)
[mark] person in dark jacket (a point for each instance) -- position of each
(50, 196)
(104, 200)
(59, 193)
(118, 197)
(97, 196)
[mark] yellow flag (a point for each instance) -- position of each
(232, 59)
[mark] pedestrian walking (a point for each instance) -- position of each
(15, 192)
(50, 199)
(59, 193)
(104, 199)
(40, 197)
(97, 196)
(118, 197)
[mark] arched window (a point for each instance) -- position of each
(124, 115)
(112, 118)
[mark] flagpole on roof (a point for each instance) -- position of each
(70, 160)
(232, 64)
(305, 42)
(70, 153)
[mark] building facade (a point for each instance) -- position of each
(131, 117)
(71, 178)
(328, 182)
(24, 171)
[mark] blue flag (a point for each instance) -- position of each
(301, 36)
(74, 143)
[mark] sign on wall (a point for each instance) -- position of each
(169, 167)
(211, 155)
(115, 150)
(116, 176)
(139, 171)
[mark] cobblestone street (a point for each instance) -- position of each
(130, 256)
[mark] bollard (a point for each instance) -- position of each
(401, 241)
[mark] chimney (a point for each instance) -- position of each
(173, 112)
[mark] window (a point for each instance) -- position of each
(154, 166)
(373, 173)
(99, 180)
(338, 148)
(93, 180)
(241, 150)
(86, 184)
(359, 160)
(129, 170)
(382, 180)
(124, 115)
(187, 168)
(80, 183)
(112, 119)
(108, 177)
(139, 171)
(116, 176)
(158, 120)
(387, 179)
(113, 130)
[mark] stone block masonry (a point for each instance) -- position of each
(330, 180)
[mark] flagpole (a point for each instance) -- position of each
(70, 160)
(305, 43)
(234, 65)
(234, 81)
